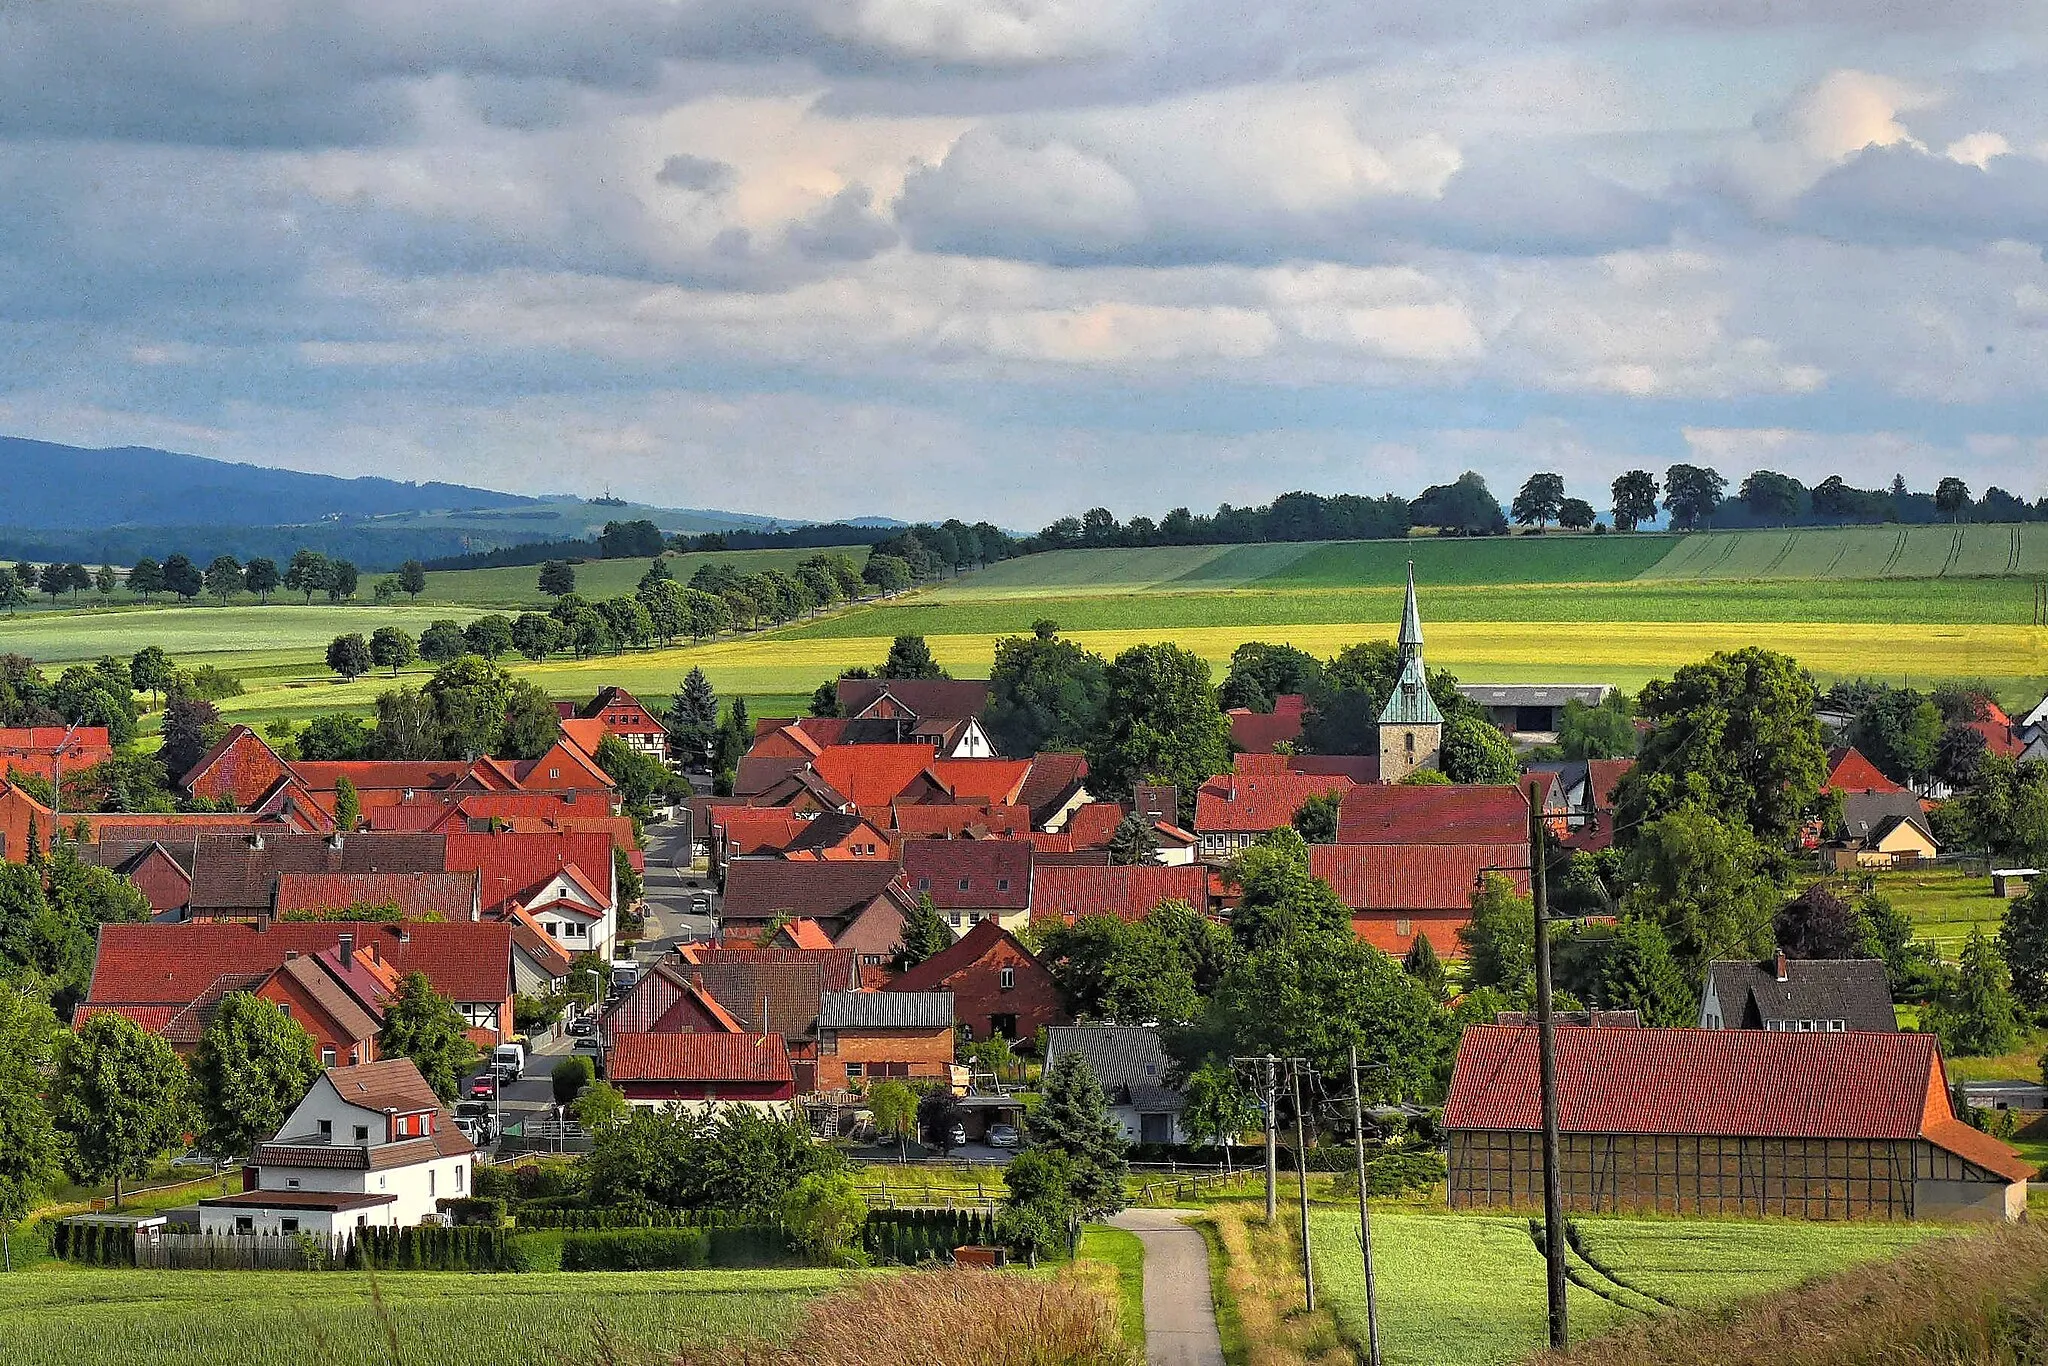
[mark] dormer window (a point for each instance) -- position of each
(327, 1131)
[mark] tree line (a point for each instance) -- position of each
(308, 572)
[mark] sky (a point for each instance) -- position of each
(1009, 259)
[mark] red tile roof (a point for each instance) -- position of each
(1091, 826)
(964, 952)
(1128, 892)
(1603, 776)
(1849, 771)
(174, 964)
(872, 775)
(983, 780)
(1053, 778)
(936, 868)
(1415, 877)
(1454, 814)
(452, 896)
(1258, 802)
(698, 1057)
(1998, 739)
(1259, 732)
(514, 866)
(1746, 1083)
(951, 822)
(829, 890)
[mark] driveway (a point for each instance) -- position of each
(1180, 1317)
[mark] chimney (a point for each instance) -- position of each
(1782, 973)
(347, 947)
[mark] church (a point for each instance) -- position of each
(1411, 727)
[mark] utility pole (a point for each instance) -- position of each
(1263, 1077)
(1308, 1272)
(1372, 1307)
(1546, 1043)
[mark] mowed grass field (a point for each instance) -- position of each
(1467, 1289)
(519, 586)
(58, 1316)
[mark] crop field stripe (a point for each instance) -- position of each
(1791, 539)
(1898, 548)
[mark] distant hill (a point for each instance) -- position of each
(75, 503)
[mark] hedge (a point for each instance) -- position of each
(474, 1211)
(1398, 1172)
(637, 1249)
(426, 1248)
(93, 1244)
(907, 1237)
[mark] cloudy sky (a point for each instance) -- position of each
(1010, 258)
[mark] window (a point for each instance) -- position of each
(362, 1133)
(1837, 1026)
(327, 1057)
(954, 918)
(458, 1178)
(1007, 979)
(554, 930)
(431, 1182)
(1408, 738)
(327, 1130)
(1404, 927)
(291, 1183)
(924, 884)
(1002, 884)
(854, 1071)
(554, 773)
(963, 884)
(287, 1226)
(245, 1224)
(286, 1007)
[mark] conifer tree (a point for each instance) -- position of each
(1074, 1119)
(1425, 967)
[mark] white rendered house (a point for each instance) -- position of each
(368, 1147)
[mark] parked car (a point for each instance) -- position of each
(1003, 1136)
(583, 1026)
(957, 1136)
(700, 904)
(484, 1087)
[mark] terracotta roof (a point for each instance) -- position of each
(1258, 732)
(805, 934)
(1415, 877)
(948, 822)
(1998, 739)
(760, 888)
(997, 873)
(1453, 814)
(1091, 826)
(834, 828)
(1359, 768)
(964, 952)
(237, 872)
(757, 829)
(547, 955)
(1128, 892)
(698, 1057)
(1738, 1083)
(586, 733)
(983, 780)
(1603, 776)
(535, 773)
(513, 865)
(1258, 802)
(320, 775)
(1053, 781)
(1849, 771)
(924, 697)
(352, 1017)
(388, 1084)
(873, 775)
(452, 896)
(174, 964)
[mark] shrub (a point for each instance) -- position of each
(570, 1076)
(637, 1249)
(476, 1211)
(535, 1251)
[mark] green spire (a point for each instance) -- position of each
(1411, 619)
(1411, 704)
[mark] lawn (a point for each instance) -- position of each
(1467, 1290)
(518, 586)
(56, 1316)
(1944, 904)
(1121, 1255)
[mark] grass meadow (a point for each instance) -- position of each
(518, 586)
(1468, 1290)
(57, 1316)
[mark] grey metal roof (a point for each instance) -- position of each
(1128, 1060)
(1535, 694)
(1411, 704)
(886, 1010)
(1869, 815)
(1850, 989)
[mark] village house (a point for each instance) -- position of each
(1880, 830)
(999, 989)
(23, 819)
(566, 880)
(1257, 732)
(235, 877)
(49, 752)
(1798, 995)
(703, 1071)
(944, 713)
(1747, 1122)
(1454, 813)
(1234, 811)
(1399, 893)
(1132, 1066)
(970, 881)
(161, 871)
(622, 716)
(860, 903)
(369, 1146)
(870, 1036)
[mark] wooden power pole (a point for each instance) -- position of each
(1372, 1306)
(1546, 1044)
(1308, 1270)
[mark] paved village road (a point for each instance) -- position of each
(1180, 1318)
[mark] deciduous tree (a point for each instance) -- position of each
(412, 577)
(1045, 693)
(1159, 723)
(224, 578)
(1691, 494)
(119, 1099)
(253, 1065)
(392, 648)
(1540, 500)
(422, 1024)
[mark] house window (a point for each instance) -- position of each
(291, 1183)
(963, 884)
(287, 1226)
(855, 1071)
(1002, 884)
(327, 1057)
(1837, 1026)
(286, 1007)
(1409, 737)
(458, 1178)
(954, 917)
(924, 884)
(245, 1224)
(362, 1133)
(1007, 979)
(327, 1130)
(431, 1183)
(1404, 927)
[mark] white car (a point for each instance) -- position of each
(1003, 1136)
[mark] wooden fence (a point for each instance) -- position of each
(1192, 1185)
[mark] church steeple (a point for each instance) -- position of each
(1411, 620)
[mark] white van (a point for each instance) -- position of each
(508, 1061)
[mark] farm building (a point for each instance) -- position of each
(1531, 711)
(1740, 1122)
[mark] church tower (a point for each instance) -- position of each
(1411, 727)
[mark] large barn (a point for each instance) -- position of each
(1738, 1122)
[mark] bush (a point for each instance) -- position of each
(432, 1249)
(1396, 1173)
(570, 1076)
(535, 1251)
(637, 1249)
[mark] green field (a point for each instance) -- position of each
(57, 1316)
(518, 585)
(1468, 1290)
(1860, 552)
(1944, 904)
